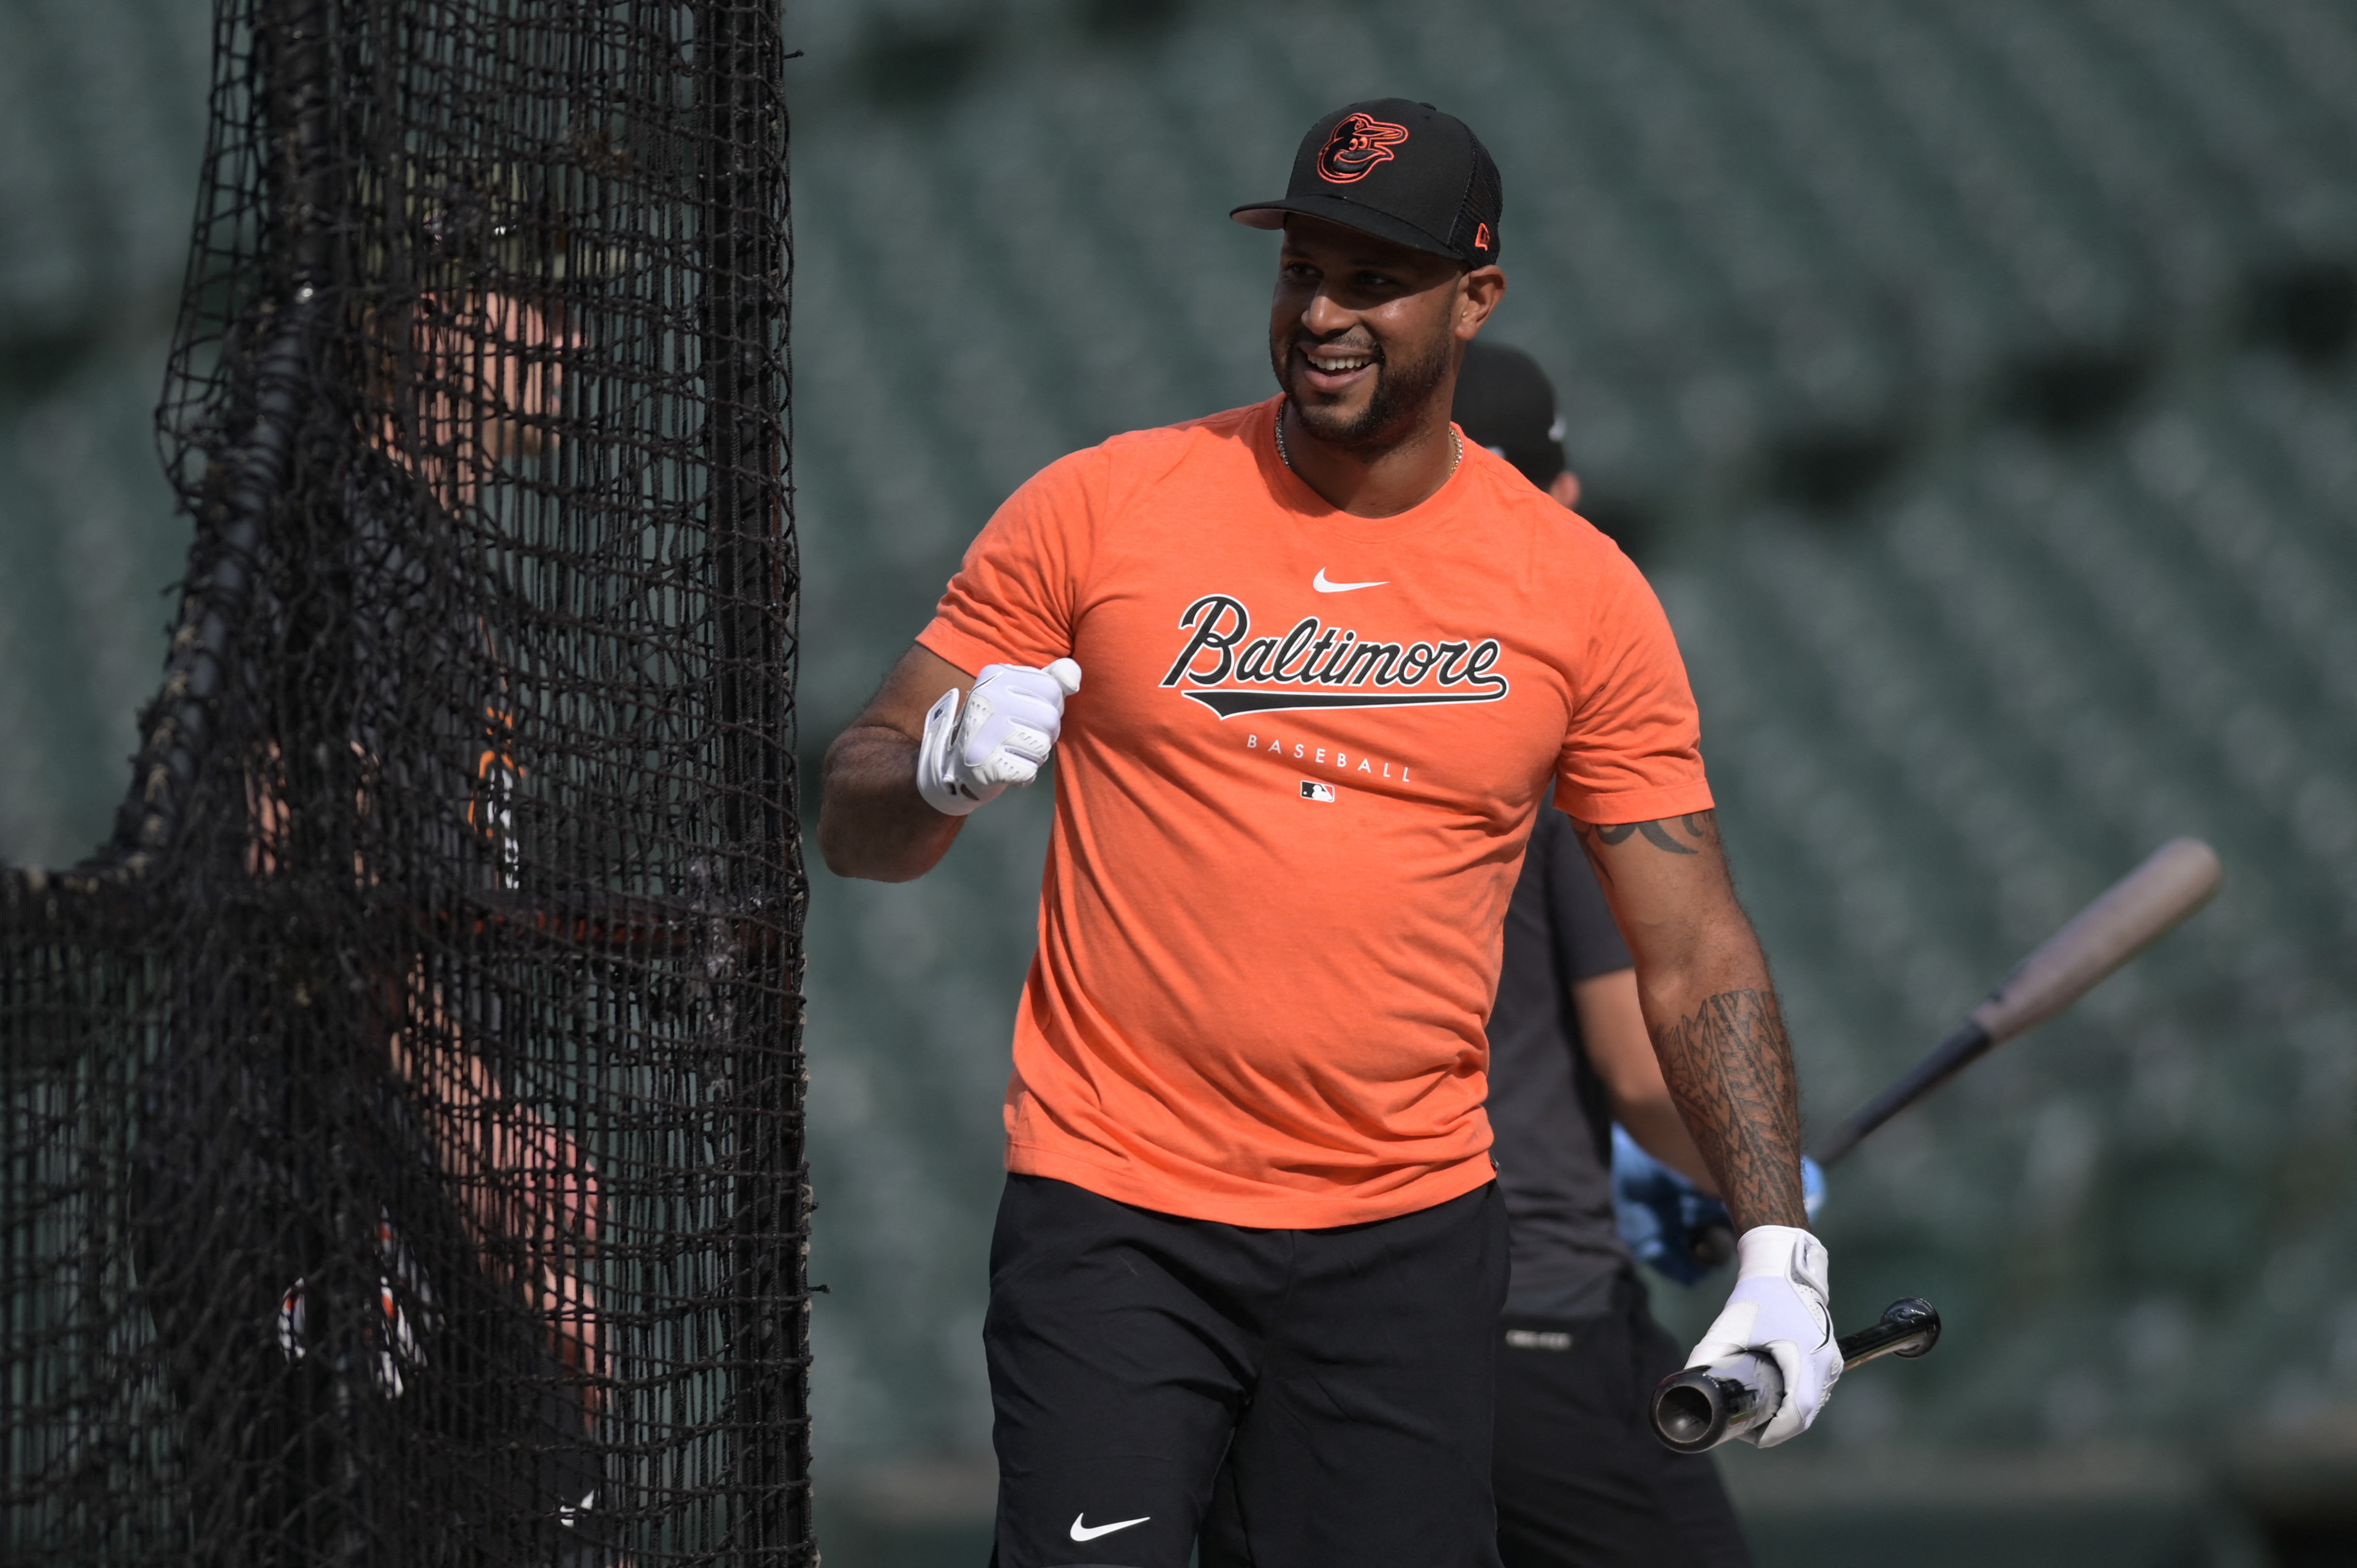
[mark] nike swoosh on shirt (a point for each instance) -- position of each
(1324, 586)
(1085, 1532)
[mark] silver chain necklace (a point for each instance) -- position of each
(1456, 444)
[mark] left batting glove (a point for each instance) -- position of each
(1666, 1222)
(1011, 721)
(1779, 1311)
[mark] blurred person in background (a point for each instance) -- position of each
(471, 1362)
(1582, 1481)
(1249, 1262)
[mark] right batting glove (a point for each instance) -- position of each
(1779, 1311)
(1010, 724)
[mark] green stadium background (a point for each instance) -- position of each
(1970, 376)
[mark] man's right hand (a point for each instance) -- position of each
(1010, 725)
(1778, 1310)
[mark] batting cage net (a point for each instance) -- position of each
(402, 1156)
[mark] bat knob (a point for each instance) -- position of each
(1909, 1328)
(1922, 1318)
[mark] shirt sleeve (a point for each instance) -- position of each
(1587, 940)
(1633, 750)
(1016, 598)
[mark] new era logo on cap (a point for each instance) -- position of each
(1401, 171)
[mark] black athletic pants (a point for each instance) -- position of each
(325, 1445)
(1582, 1480)
(1335, 1384)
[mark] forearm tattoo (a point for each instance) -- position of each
(1673, 836)
(1730, 1069)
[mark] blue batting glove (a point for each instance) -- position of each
(1662, 1215)
(1668, 1223)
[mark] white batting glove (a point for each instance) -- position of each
(1010, 724)
(1778, 1310)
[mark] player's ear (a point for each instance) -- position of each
(1479, 290)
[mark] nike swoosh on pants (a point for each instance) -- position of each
(1087, 1533)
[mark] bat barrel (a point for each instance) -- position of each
(1702, 1407)
(2175, 880)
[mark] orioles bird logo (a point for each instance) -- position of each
(1360, 142)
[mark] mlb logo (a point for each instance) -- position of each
(1313, 791)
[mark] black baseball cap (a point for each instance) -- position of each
(1401, 171)
(1506, 402)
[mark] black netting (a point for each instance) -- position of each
(402, 1161)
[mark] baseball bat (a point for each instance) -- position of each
(2176, 879)
(1702, 1407)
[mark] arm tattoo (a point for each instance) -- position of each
(1696, 827)
(1730, 1071)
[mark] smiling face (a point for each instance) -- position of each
(1363, 333)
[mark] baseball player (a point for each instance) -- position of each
(1311, 670)
(1582, 1481)
(466, 1358)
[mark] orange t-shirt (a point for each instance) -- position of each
(1291, 798)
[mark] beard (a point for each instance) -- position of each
(1403, 386)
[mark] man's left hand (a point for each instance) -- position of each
(1009, 723)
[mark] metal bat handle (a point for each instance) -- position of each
(1908, 1328)
(1702, 1407)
